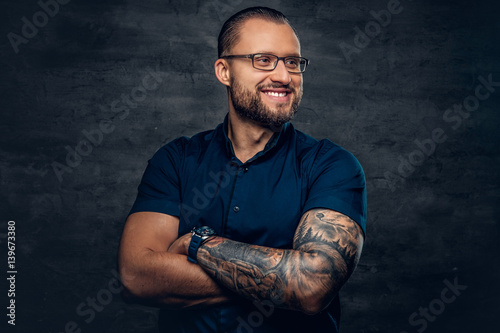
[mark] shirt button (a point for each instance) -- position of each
(236, 209)
(245, 169)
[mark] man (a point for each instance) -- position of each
(252, 226)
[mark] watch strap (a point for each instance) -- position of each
(194, 245)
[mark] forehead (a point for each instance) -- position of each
(258, 35)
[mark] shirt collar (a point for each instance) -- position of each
(273, 142)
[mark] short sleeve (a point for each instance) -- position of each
(337, 182)
(159, 188)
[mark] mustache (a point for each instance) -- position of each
(276, 85)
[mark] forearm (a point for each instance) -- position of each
(168, 279)
(290, 279)
(326, 248)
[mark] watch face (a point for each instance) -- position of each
(204, 231)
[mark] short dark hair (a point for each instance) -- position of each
(229, 33)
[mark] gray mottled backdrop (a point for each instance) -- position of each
(91, 89)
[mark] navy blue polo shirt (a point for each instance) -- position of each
(259, 202)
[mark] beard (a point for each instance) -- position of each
(249, 105)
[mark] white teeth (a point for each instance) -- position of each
(272, 93)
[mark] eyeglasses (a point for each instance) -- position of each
(268, 62)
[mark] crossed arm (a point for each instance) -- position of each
(327, 246)
(151, 274)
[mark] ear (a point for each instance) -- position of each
(222, 71)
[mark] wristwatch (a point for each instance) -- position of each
(200, 235)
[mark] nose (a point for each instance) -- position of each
(280, 73)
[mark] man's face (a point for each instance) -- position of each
(270, 98)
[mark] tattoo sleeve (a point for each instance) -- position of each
(327, 246)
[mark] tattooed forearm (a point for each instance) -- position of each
(326, 249)
(251, 271)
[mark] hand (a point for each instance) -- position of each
(181, 245)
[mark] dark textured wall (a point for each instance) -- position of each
(431, 225)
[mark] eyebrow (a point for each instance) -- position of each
(269, 52)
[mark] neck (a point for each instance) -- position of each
(248, 137)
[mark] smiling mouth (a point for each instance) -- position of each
(276, 94)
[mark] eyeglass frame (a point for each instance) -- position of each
(252, 56)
